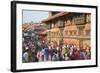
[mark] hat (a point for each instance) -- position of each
(26, 48)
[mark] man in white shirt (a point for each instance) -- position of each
(25, 55)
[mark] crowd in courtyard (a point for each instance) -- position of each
(51, 51)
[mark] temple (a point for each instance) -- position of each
(69, 28)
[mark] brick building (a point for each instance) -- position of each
(69, 28)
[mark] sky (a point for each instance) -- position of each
(34, 16)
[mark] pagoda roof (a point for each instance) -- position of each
(55, 16)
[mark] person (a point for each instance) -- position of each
(34, 57)
(42, 54)
(39, 55)
(46, 53)
(66, 57)
(75, 54)
(54, 52)
(70, 52)
(88, 53)
(26, 55)
(49, 53)
(82, 54)
(55, 57)
(63, 51)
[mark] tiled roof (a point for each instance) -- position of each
(55, 16)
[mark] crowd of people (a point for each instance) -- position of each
(51, 51)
